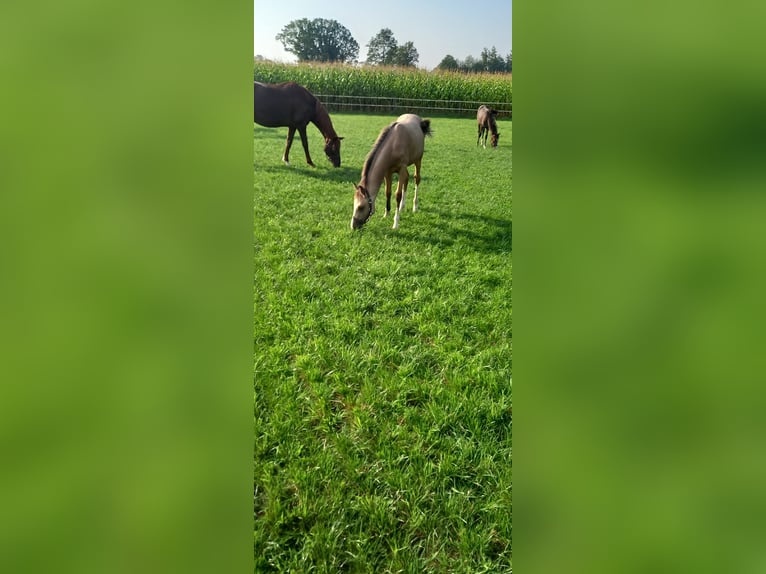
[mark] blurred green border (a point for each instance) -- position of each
(125, 291)
(126, 287)
(639, 211)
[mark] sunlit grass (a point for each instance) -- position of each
(383, 360)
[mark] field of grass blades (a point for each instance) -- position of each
(382, 359)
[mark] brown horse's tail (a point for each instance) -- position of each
(425, 125)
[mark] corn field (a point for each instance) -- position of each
(368, 84)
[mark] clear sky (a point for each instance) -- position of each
(436, 27)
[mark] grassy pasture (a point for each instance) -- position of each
(382, 360)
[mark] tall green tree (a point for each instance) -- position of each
(319, 40)
(406, 55)
(471, 64)
(381, 48)
(491, 61)
(448, 63)
(384, 49)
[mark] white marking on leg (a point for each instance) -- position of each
(399, 207)
(415, 200)
(397, 212)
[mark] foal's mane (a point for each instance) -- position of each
(493, 123)
(375, 148)
(490, 119)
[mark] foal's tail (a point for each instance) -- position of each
(425, 125)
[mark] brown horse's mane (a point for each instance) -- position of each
(323, 121)
(374, 151)
(492, 120)
(493, 124)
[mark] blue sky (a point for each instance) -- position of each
(436, 27)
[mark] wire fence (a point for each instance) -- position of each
(370, 104)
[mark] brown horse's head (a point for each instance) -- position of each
(332, 150)
(363, 207)
(495, 137)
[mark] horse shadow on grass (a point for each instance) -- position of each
(340, 174)
(479, 232)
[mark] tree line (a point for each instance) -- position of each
(489, 61)
(321, 40)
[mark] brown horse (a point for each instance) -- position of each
(291, 105)
(485, 117)
(398, 146)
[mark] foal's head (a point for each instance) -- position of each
(364, 207)
(493, 127)
(332, 150)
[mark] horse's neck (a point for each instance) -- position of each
(372, 179)
(371, 182)
(323, 122)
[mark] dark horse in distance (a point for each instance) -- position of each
(293, 106)
(485, 117)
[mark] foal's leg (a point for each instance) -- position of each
(288, 143)
(479, 138)
(305, 142)
(417, 183)
(389, 176)
(401, 191)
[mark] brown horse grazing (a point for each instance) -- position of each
(291, 105)
(486, 119)
(398, 146)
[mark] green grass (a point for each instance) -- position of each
(383, 360)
